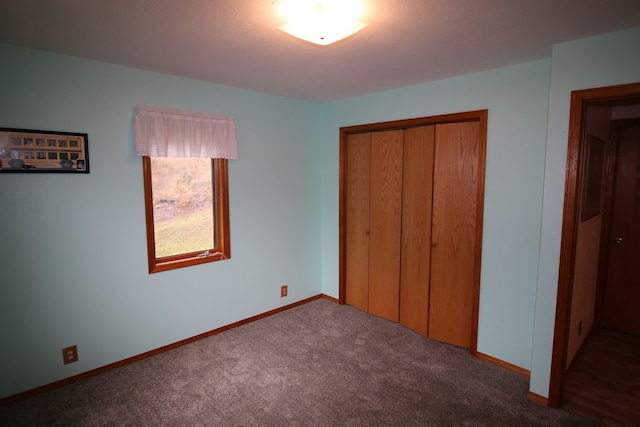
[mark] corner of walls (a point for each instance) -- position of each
(329, 216)
(517, 100)
(76, 245)
(599, 61)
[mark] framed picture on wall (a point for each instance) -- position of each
(593, 174)
(29, 151)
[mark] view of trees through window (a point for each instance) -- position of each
(183, 209)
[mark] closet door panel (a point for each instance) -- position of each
(416, 227)
(385, 217)
(455, 198)
(357, 219)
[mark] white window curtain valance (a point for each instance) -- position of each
(162, 132)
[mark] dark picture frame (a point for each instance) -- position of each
(592, 177)
(33, 151)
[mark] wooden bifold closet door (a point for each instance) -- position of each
(385, 221)
(416, 227)
(411, 226)
(454, 218)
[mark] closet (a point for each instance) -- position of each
(411, 220)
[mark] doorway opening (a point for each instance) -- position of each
(581, 101)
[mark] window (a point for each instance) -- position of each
(186, 187)
(187, 211)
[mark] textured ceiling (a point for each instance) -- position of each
(237, 43)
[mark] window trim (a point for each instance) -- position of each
(222, 249)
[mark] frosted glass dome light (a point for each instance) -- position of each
(322, 22)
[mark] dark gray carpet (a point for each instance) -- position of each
(320, 364)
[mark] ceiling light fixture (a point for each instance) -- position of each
(322, 22)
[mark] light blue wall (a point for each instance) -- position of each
(606, 60)
(516, 98)
(73, 249)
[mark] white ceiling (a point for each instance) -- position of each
(237, 43)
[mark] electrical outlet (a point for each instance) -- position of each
(70, 354)
(284, 290)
